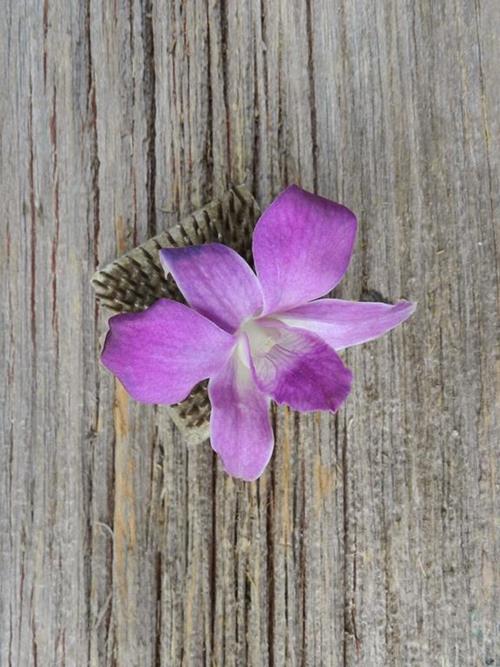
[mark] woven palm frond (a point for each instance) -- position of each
(134, 281)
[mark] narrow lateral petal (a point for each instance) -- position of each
(216, 282)
(297, 368)
(302, 245)
(159, 355)
(240, 426)
(344, 323)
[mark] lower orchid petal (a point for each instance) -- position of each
(240, 426)
(160, 354)
(344, 323)
(297, 368)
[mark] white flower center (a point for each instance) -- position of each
(262, 337)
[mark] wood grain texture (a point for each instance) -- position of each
(371, 540)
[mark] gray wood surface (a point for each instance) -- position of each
(371, 539)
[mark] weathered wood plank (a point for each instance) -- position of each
(371, 540)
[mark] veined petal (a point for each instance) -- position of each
(344, 323)
(297, 368)
(216, 282)
(159, 355)
(240, 426)
(302, 246)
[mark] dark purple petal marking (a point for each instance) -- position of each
(297, 368)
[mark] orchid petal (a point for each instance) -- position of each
(344, 323)
(302, 245)
(297, 368)
(240, 426)
(160, 354)
(216, 282)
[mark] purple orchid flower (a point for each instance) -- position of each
(256, 336)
